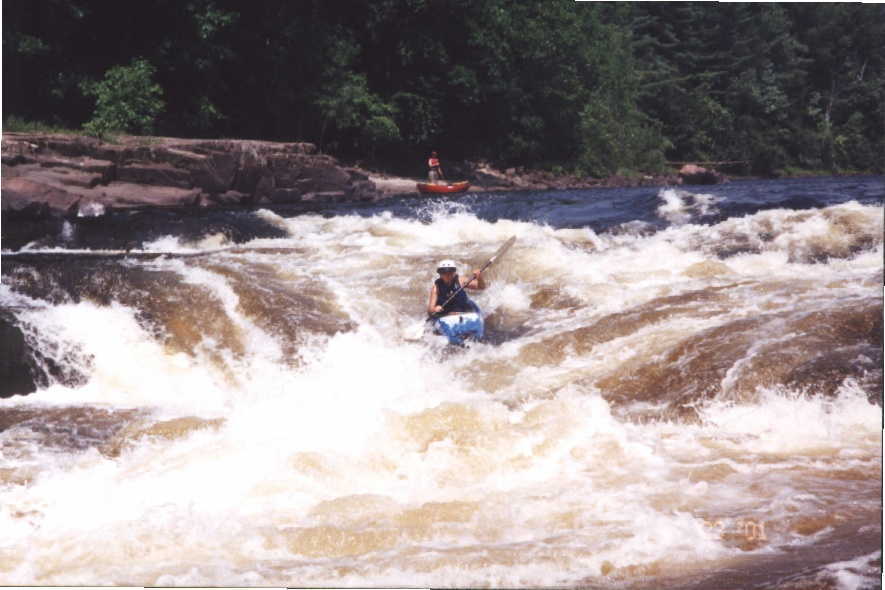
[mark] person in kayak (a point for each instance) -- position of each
(435, 172)
(449, 282)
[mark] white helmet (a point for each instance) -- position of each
(446, 265)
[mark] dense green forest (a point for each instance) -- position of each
(597, 88)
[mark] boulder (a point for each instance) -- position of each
(694, 174)
(485, 179)
(364, 190)
(323, 175)
(23, 196)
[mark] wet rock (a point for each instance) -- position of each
(285, 195)
(230, 198)
(128, 437)
(16, 376)
(364, 190)
(734, 360)
(325, 196)
(66, 428)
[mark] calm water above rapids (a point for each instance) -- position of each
(680, 387)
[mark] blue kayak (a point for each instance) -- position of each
(460, 326)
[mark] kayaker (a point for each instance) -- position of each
(435, 172)
(447, 283)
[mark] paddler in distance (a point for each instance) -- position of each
(434, 169)
(448, 283)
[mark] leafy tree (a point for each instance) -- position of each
(847, 76)
(618, 137)
(417, 116)
(196, 60)
(349, 107)
(601, 87)
(40, 63)
(127, 99)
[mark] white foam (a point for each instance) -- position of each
(783, 422)
(557, 488)
(124, 365)
(90, 209)
(175, 245)
(682, 206)
(856, 573)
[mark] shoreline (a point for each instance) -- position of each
(59, 171)
(49, 179)
(492, 180)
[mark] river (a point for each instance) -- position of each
(679, 387)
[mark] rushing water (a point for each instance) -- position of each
(680, 387)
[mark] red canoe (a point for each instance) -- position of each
(455, 187)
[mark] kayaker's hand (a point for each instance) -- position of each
(476, 282)
(438, 309)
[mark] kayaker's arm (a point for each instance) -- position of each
(477, 284)
(432, 307)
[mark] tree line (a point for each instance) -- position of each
(593, 88)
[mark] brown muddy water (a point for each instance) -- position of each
(686, 394)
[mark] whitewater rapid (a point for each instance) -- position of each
(650, 404)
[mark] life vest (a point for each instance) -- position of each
(443, 291)
(433, 162)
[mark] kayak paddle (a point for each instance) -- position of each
(494, 257)
(416, 331)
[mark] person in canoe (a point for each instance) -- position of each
(434, 169)
(449, 282)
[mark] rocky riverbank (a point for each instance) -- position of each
(48, 178)
(485, 177)
(62, 175)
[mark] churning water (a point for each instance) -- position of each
(679, 387)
